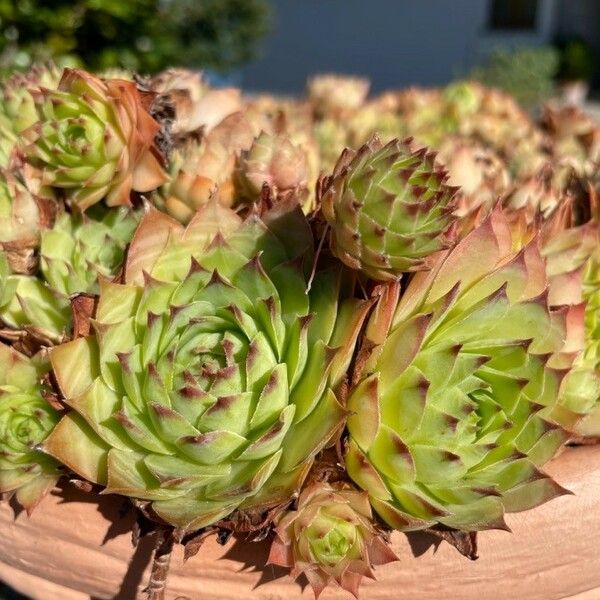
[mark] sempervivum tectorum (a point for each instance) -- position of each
(536, 196)
(576, 137)
(332, 138)
(208, 382)
(500, 122)
(22, 216)
(94, 139)
(17, 106)
(461, 99)
(389, 209)
(374, 117)
(420, 110)
(528, 155)
(275, 161)
(591, 293)
(336, 95)
(73, 254)
(17, 110)
(26, 419)
(330, 536)
(590, 426)
(197, 106)
(572, 260)
(198, 170)
(459, 404)
(481, 176)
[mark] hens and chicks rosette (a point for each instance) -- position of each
(201, 313)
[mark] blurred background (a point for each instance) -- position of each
(397, 43)
(532, 48)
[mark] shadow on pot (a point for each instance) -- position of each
(251, 557)
(121, 517)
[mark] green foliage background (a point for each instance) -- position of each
(142, 35)
(525, 73)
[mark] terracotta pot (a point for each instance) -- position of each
(71, 549)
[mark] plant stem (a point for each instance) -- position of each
(163, 548)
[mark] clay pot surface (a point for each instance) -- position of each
(73, 548)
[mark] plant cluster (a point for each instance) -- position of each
(320, 320)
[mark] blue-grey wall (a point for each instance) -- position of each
(395, 43)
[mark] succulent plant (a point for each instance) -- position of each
(295, 123)
(591, 294)
(459, 403)
(17, 105)
(196, 105)
(481, 176)
(22, 215)
(590, 363)
(576, 138)
(389, 209)
(420, 110)
(26, 419)
(207, 360)
(568, 252)
(17, 109)
(536, 196)
(332, 137)
(461, 100)
(500, 123)
(572, 256)
(209, 381)
(335, 95)
(73, 255)
(94, 140)
(198, 170)
(330, 536)
(377, 117)
(273, 160)
(528, 156)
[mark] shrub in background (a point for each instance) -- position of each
(140, 35)
(526, 73)
(577, 60)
